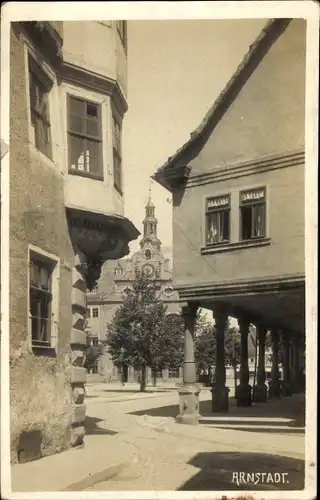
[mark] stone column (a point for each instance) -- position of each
(260, 390)
(130, 374)
(78, 345)
(287, 384)
(243, 392)
(220, 393)
(165, 375)
(296, 367)
(275, 385)
(189, 390)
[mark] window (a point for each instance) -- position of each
(118, 271)
(122, 30)
(117, 159)
(84, 138)
(252, 214)
(94, 312)
(40, 294)
(147, 254)
(39, 89)
(218, 220)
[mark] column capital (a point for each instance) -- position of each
(244, 323)
(220, 311)
(189, 309)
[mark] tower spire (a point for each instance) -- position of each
(150, 223)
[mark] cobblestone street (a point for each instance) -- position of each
(204, 457)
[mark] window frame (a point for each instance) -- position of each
(219, 209)
(117, 154)
(93, 310)
(85, 137)
(253, 203)
(52, 264)
(36, 74)
(121, 26)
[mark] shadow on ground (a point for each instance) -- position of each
(245, 471)
(92, 427)
(239, 418)
(135, 391)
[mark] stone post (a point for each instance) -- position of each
(220, 393)
(243, 392)
(78, 345)
(275, 385)
(189, 390)
(287, 384)
(260, 390)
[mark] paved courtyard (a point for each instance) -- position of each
(133, 443)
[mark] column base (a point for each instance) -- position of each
(260, 393)
(243, 395)
(188, 404)
(275, 389)
(287, 389)
(295, 386)
(220, 398)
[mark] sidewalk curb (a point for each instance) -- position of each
(93, 479)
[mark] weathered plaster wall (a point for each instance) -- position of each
(39, 389)
(285, 227)
(268, 114)
(267, 117)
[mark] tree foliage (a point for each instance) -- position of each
(205, 345)
(92, 352)
(141, 334)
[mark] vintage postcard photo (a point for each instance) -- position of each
(158, 250)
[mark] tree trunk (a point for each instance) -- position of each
(143, 378)
(154, 377)
(235, 378)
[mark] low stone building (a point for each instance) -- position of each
(67, 101)
(116, 280)
(238, 216)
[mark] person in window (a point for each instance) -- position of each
(212, 233)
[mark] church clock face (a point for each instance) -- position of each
(148, 270)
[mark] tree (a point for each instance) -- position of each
(92, 351)
(205, 347)
(232, 350)
(140, 333)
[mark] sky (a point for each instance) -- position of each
(176, 70)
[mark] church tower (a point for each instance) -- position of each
(150, 224)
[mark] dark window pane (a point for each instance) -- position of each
(92, 110)
(34, 303)
(224, 224)
(35, 327)
(77, 106)
(258, 221)
(92, 127)
(246, 223)
(45, 306)
(77, 152)
(76, 124)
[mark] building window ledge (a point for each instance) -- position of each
(86, 174)
(239, 245)
(44, 350)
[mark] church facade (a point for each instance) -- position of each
(116, 281)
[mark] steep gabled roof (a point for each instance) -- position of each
(175, 170)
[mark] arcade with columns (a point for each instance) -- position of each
(288, 347)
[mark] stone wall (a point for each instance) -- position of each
(40, 391)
